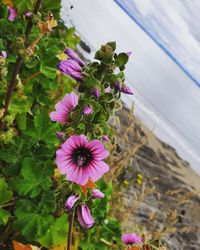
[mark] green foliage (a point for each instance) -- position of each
(5, 196)
(56, 233)
(106, 231)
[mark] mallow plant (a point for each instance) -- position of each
(54, 113)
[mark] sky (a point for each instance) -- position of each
(174, 24)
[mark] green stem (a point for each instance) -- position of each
(70, 230)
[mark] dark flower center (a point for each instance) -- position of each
(82, 157)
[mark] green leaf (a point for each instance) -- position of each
(49, 72)
(24, 5)
(34, 178)
(29, 222)
(8, 156)
(56, 233)
(21, 119)
(20, 104)
(4, 216)
(112, 45)
(121, 60)
(5, 194)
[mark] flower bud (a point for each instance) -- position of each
(73, 56)
(105, 138)
(70, 202)
(96, 92)
(96, 193)
(84, 216)
(12, 15)
(87, 110)
(71, 68)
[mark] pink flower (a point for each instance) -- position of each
(12, 15)
(97, 193)
(81, 159)
(71, 68)
(130, 239)
(73, 56)
(3, 54)
(84, 216)
(64, 107)
(87, 110)
(70, 202)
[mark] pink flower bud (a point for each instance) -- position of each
(73, 56)
(105, 138)
(3, 54)
(96, 92)
(12, 15)
(70, 202)
(108, 89)
(87, 110)
(84, 217)
(129, 53)
(97, 193)
(71, 68)
(60, 135)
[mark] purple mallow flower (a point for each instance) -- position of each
(70, 202)
(13, 14)
(130, 239)
(97, 193)
(123, 88)
(96, 92)
(71, 68)
(87, 110)
(73, 56)
(84, 216)
(3, 54)
(64, 107)
(81, 159)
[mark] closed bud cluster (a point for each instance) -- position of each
(6, 137)
(8, 119)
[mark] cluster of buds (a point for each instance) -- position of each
(84, 216)
(6, 136)
(3, 69)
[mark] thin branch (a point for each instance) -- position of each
(70, 230)
(30, 77)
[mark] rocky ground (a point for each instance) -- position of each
(158, 189)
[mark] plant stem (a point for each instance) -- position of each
(30, 77)
(70, 230)
(18, 61)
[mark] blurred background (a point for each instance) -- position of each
(163, 70)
